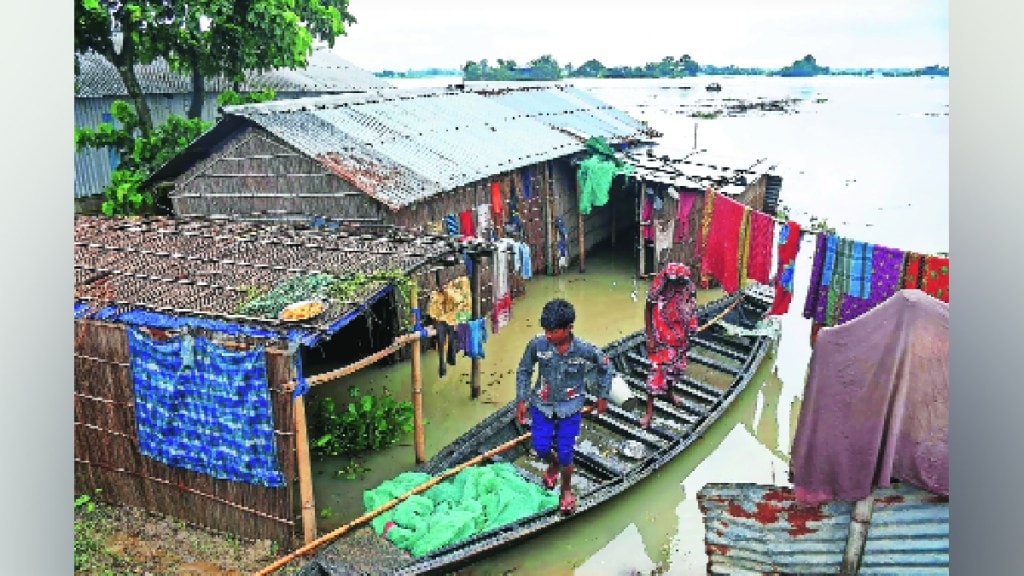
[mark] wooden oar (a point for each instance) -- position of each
(387, 506)
(722, 315)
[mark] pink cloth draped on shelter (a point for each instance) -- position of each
(686, 200)
(722, 248)
(876, 403)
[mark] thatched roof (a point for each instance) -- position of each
(164, 270)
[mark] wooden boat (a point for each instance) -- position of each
(612, 454)
(713, 87)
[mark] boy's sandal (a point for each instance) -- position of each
(567, 505)
(550, 480)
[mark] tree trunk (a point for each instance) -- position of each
(125, 65)
(195, 109)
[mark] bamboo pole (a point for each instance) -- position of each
(474, 289)
(305, 470)
(398, 499)
(310, 546)
(358, 365)
(417, 388)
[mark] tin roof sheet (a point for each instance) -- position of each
(566, 107)
(697, 169)
(404, 146)
(325, 72)
(762, 529)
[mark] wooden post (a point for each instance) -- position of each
(640, 219)
(548, 219)
(860, 521)
(304, 469)
(474, 288)
(417, 385)
(614, 211)
(581, 231)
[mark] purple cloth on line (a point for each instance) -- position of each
(876, 403)
(811, 301)
(886, 265)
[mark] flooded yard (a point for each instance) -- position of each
(660, 513)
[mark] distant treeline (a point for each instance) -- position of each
(547, 68)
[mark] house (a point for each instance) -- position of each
(408, 158)
(186, 396)
(98, 85)
(669, 176)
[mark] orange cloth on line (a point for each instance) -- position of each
(935, 278)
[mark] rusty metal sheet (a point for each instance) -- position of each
(761, 529)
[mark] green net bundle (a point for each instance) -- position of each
(473, 501)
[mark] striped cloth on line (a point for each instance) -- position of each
(205, 408)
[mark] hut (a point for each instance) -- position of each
(188, 396)
(674, 185)
(500, 158)
(98, 85)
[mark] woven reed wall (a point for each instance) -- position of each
(107, 455)
(257, 172)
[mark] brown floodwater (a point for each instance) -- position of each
(653, 526)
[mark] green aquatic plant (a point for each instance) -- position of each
(367, 423)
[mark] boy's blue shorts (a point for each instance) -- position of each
(563, 431)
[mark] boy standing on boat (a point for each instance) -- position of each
(556, 397)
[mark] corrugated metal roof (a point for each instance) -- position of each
(325, 72)
(404, 146)
(204, 268)
(759, 529)
(697, 169)
(575, 110)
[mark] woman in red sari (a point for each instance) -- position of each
(670, 320)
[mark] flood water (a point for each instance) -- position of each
(870, 155)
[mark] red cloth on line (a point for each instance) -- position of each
(912, 266)
(466, 226)
(935, 279)
(787, 259)
(721, 253)
(876, 403)
(686, 200)
(496, 204)
(761, 238)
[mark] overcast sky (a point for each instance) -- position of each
(413, 34)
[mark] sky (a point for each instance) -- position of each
(414, 34)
